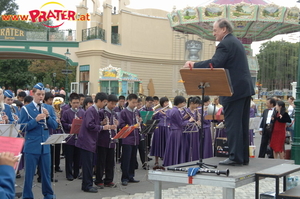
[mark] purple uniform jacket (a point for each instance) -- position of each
(104, 138)
(144, 108)
(127, 117)
(64, 108)
(66, 121)
(176, 119)
(88, 135)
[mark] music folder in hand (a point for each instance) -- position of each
(76, 125)
(124, 132)
(13, 145)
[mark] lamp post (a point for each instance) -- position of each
(67, 54)
(296, 142)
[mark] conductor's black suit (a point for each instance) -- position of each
(266, 134)
(230, 54)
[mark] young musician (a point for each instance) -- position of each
(207, 140)
(129, 116)
(37, 117)
(193, 137)
(155, 101)
(87, 140)
(173, 153)
(142, 148)
(8, 99)
(72, 153)
(106, 146)
(161, 133)
(120, 106)
(82, 97)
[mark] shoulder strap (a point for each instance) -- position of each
(27, 112)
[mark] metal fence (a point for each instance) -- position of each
(93, 33)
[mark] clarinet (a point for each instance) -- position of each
(45, 123)
(76, 117)
(109, 130)
(13, 112)
(137, 121)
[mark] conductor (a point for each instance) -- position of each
(231, 55)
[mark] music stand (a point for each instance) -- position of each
(149, 126)
(211, 82)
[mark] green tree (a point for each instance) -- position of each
(278, 64)
(15, 73)
(8, 7)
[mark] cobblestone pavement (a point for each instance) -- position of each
(64, 189)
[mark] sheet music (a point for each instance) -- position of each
(13, 145)
(254, 122)
(9, 130)
(56, 139)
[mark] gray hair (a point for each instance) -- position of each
(225, 23)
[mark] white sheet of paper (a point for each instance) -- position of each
(9, 130)
(254, 123)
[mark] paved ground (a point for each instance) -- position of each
(144, 190)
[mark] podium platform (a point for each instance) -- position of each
(238, 176)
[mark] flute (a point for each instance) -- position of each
(45, 123)
(160, 110)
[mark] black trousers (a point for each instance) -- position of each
(87, 159)
(72, 157)
(128, 162)
(142, 151)
(265, 140)
(118, 150)
(237, 114)
(105, 162)
(56, 160)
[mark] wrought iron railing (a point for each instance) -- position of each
(115, 38)
(93, 33)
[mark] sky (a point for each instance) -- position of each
(167, 5)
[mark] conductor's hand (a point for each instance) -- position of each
(189, 64)
(40, 117)
(8, 158)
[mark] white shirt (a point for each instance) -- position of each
(269, 117)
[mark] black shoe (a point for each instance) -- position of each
(245, 163)
(124, 183)
(145, 166)
(55, 180)
(70, 179)
(18, 176)
(149, 159)
(134, 181)
(58, 170)
(39, 180)
(92, 190)
(230, 162)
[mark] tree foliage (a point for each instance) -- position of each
(43, 71)
(8, 7)
(278, 64)
(15, 73)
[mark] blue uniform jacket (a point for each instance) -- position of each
(7, 182)
(34, 131)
